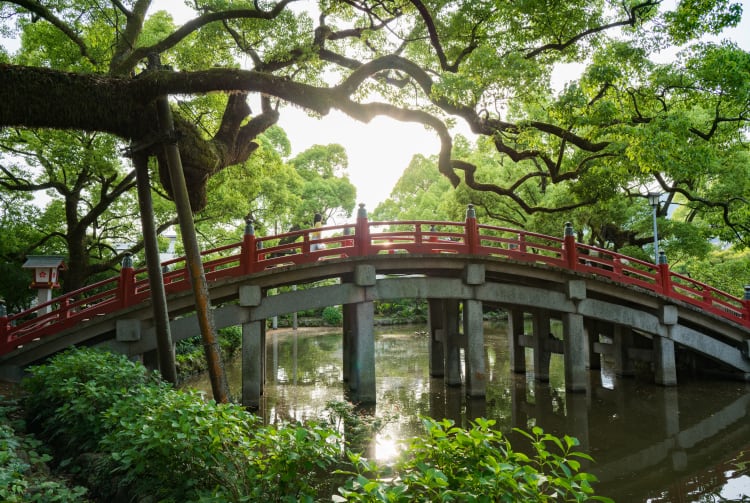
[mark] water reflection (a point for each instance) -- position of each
(651, 444)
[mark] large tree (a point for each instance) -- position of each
(679, 125)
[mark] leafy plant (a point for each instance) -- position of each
(24, 476)
(133, 433)
(332, 316)
(65, 397)
(449, 463)
(190, 357)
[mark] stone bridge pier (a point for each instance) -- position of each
(456, 333)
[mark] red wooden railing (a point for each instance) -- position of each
(365, 238)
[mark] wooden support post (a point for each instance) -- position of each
(472, 230)
(164, 345)
(126, 286)
(204, 313)
(362, 233)
(571, 248)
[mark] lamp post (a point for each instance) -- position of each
(653, 200)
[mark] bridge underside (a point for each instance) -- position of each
(597, 318)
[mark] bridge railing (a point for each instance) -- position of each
(365, 238)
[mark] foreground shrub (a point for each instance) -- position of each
(65, 398)
(24, 475)
(450, 463)
(216, 448)
(166, 444)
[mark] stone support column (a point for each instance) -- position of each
(476, 370)
(516, 352)
(348, 327)
(540, 334)
(253, 349)
(623, 339)
(452, 343)
(362, 371)
(574, 341)
(437, 335)
(253, 356)
(665, 366)
(591, 328)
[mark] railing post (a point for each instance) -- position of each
(64, 308)
(664, 274)
(746, 303)
(472, 230)
(617, 267)
(127, 281)
(362, 234)
(248, 257)
(569, 244)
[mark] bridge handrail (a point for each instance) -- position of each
(365, 238)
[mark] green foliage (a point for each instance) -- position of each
(143, 433)
(190, 357)
(475, 465)
(409, 310)
(723, 269)
(24, 476)
(333, 316)
(65, 397)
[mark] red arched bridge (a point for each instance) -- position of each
(550, 277)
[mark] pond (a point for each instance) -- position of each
(650, 443)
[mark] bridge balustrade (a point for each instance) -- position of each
(364, 238)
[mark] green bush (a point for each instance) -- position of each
(230, 340)
(143, 432)
(190, 357)
(23, 472)
(332, 316)
(474, 465)
(65, 397)
(220, 451)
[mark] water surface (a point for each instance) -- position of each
(651, 443)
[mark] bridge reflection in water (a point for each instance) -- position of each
(650, 443)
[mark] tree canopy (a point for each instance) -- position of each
(626, 125)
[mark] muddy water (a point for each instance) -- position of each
(651, 444)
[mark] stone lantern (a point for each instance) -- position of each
(46, 275)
